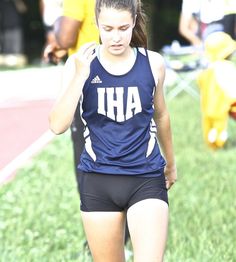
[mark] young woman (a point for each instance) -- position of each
(120, 85)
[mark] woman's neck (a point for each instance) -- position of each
(104, 54)
(117, 64)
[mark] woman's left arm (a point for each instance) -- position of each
(162, 118)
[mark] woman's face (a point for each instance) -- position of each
(115, 27)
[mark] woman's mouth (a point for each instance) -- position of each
(116, 46)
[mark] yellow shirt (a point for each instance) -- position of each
(83, 11)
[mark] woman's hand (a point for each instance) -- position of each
(83, 59)
(171, 176)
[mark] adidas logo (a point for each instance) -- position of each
(96, 80)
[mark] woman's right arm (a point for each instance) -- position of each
(76, 72)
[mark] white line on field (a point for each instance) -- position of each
(8, 171)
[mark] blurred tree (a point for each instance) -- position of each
(33, 32)
(163, 16)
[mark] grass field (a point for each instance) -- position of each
(39, 210)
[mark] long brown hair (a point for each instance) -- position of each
(139, 37)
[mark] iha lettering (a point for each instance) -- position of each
(113, 97)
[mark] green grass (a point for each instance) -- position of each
(39, 210)
(202, 209)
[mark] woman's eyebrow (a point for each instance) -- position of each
(124, 25)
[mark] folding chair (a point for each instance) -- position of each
(183, 65)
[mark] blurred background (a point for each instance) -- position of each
(163, 17)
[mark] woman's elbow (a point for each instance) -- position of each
(56, 127)
(56, 130)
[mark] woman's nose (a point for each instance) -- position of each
(116, 36)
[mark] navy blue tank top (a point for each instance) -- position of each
(117, 110)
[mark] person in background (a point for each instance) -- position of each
(50, 10)
(122, 170)
(199, 18)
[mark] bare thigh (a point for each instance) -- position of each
(105, 235)
(148, 226)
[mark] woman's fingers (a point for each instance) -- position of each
(86, 50)
(169, 184)
(87, 47)
(170, 180)
(83, 58)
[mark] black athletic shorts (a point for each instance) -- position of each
(102, 192)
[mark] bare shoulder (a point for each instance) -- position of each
(156, 60)
(157, 64)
